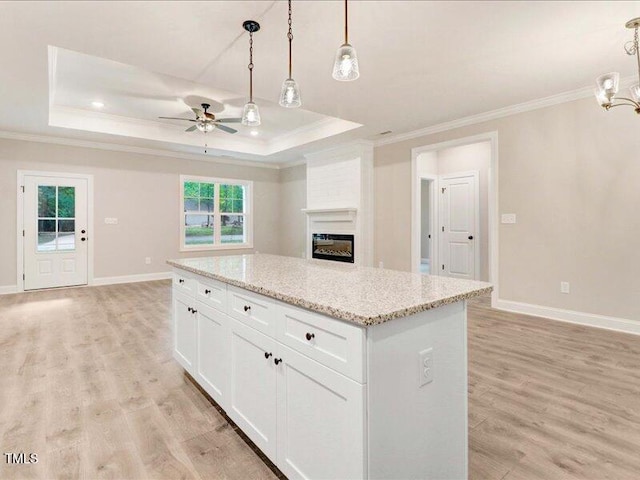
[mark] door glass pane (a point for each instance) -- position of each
(46, 226)
(46, 201)
(232, 229)
(46, 242)
(198, 229)
(66, 241)
(66, 202)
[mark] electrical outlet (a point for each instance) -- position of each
(508, 218)
(111, 221)
(425, 358)
(565, 287)
(147, 260)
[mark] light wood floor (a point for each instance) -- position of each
(88, 383)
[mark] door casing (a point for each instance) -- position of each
(20, 220)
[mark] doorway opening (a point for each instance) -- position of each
(453, 203)
(54, 227)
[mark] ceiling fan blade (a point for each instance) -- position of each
(176, 118)
(191, 128)
(229, 120)
(224, 128)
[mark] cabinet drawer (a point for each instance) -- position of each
(184, 283)
(252, 309)
(212, 293)
(331, 342)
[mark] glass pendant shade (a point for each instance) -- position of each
(290, 94)
(635, 92)
(607, 86)
(205, 127)
(345, 67)
(251, 115)
(602, 98)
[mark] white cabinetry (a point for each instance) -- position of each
(252, 399)
(324, 398)
(321, 421)
(184, 332)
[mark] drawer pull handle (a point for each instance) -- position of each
(310, 336)
(181, 280)
(247, 308)
(277, 360)
(267, 355)
(207, 292)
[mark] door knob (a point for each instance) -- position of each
(83, 239)
(83, 231)
(470, 237)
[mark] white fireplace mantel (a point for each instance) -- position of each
(326, 215)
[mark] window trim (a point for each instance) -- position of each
(248, 213)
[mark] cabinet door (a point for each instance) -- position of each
(320, 420)
(252, 389)
(184, 332)
(213, 356)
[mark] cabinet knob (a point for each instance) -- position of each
(193, 310)
(310, 336)
(267, 355)
(277, 360)
(181, 280)
(207, 292)
(470, 237)
(189, 309)
(247, 308)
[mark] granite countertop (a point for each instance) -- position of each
(362, 295)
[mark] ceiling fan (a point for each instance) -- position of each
(206, 122)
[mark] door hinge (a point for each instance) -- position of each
(22, 187)
(443, 228)
(23, 277)
(443, 267)
(23, 233)
(443, 189)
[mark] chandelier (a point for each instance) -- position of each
(607, 85)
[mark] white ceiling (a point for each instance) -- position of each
(422, 63)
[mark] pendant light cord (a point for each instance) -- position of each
(290, 37)
(250, 67)
(346, 23)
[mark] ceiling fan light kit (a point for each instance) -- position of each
(290, 93)
(345, 66)
(607, 85)
(251, 113)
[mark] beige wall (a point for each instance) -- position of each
(142, 191)
(473, 157)
(570, 172)
(293, 222)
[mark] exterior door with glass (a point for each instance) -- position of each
(55, 236)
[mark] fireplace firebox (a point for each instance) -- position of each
(336, 247)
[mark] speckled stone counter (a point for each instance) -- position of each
(362, 295)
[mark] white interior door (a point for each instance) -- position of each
(459, 230)
(55, 237)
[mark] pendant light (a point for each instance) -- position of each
(290, 94)
(345, 67)
(251, 114)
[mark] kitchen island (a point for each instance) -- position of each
(334, 371)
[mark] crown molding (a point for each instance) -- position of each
(550, 101)
(28, 137)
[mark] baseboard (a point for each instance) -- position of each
(570, 316)
(6, 289)
(143, 277)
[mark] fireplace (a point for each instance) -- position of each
(336, 247)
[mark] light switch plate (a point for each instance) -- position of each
(508, 218)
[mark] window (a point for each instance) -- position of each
(215, 213)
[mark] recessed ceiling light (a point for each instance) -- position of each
(97, 104)
(254, 132)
